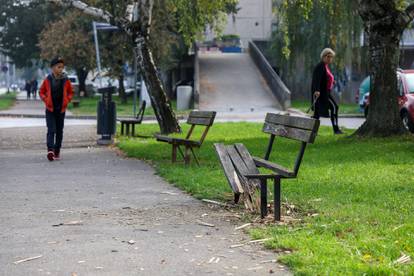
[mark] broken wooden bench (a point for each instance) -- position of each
(196, 118)
(242, 169)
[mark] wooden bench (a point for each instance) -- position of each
(196, 118)
(242, 169)
(127, 122)
(75, 103)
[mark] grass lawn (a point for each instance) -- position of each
(343, 108)
(88, 107)
(361, 190)
(7, 100)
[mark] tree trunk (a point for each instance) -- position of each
(139, 31)
(159, 100)
(121, 89)
(82, 74)
(384, 25)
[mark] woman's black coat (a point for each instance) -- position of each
(320, 83)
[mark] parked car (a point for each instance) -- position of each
(405, 98)
(364, 88)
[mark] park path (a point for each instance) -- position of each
(24, 107)
(232, 84)
(96, 212)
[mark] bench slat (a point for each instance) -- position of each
(228, 168)
(274, 167)
(200, 121)
(131, 121)
(247, 158)
(289, 132)
(293, 121)
(249, 185)
(205, 118)
(174, 140)
(204, 114)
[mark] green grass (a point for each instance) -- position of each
(343, 108)
(362, 191)
(88, 107)
(7, 101)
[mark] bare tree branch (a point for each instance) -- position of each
(90, 10)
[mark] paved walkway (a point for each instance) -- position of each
(27, 107)
(231, 83)
(98, 213)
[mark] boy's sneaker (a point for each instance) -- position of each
(56, 155)
(50, 155)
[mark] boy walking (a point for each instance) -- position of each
(56, 92)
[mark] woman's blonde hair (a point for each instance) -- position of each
(326, 52)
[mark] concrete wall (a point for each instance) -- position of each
(253, 21)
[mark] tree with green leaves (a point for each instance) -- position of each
(192, 18)
(309, 25)
(71, 38)
(384, 23)
(20, 24)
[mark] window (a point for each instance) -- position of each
(409, 78)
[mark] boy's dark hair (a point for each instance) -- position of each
(56, 60)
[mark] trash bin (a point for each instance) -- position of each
(106, 116)
(184, 96)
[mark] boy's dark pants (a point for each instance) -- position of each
(55, 123)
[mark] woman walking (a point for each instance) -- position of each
(323, 82)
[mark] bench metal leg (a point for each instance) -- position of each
(277, 200)
(263, 198)
(122, 128)
(133, 129)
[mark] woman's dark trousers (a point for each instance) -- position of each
(333, 111)
(55, 123)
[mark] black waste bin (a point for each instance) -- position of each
(106, 111)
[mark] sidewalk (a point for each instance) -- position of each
(98, 213)
(24, 107)
(32, 109)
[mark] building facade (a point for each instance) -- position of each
(253, 21)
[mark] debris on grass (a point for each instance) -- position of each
(404, 259)
(260, 241)
(242, 226)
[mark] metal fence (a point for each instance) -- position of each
(278, 88)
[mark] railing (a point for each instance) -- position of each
(278, 88)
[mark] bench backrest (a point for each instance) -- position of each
(140, 114)
(292, 127)
(201, 118)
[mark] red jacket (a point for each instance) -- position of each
(45, 93)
